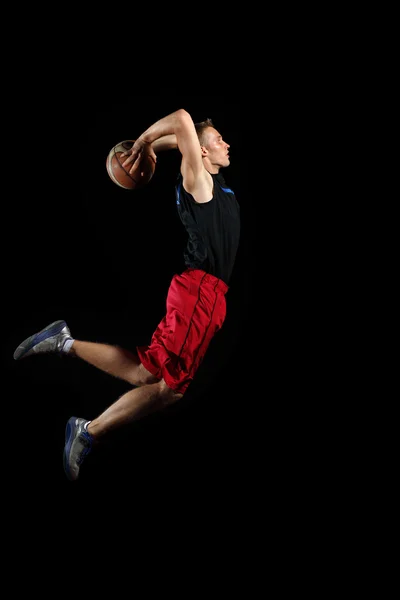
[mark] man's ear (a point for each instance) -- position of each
(204, 151)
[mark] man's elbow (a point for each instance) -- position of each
(183, 117)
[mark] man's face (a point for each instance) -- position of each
(217, 149)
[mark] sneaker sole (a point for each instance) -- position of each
(50, 330)
(69, 436)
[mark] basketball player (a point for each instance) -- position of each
(161, 372)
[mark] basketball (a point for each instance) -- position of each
(120, 175)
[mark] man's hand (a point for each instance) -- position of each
(138, 150)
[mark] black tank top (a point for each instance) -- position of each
(213, 228)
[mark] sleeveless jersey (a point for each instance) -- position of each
(213, 228)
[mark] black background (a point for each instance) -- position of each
(257, 445)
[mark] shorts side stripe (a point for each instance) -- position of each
(191, 318)
(208, 327)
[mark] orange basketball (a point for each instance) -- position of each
(120, 175)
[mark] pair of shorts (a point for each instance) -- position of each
(195, 311)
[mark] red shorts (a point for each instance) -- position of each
(196, 309)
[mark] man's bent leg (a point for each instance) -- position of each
(133, 405)
(81, 434)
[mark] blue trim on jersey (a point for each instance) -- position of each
(177, 190)
(227, 190)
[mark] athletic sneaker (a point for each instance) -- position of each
(49, 339)
(78, 443)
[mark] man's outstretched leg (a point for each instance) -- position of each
(81, 434)
(56, 338)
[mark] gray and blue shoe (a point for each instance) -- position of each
(49, 339)
(78, 444)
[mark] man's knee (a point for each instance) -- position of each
(144, 377)
(168, 395)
